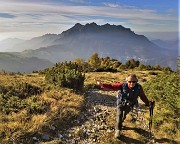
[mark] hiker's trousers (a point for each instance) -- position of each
(122, 111)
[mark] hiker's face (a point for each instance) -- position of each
(131, 82)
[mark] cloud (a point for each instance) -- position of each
(6, 15)
(113, 5)
(44, 15)
(62, 9)
(78, 1)
(147, 22)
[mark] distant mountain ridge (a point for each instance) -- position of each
(166, 44)
(37, 42)
(82, 41)
(107, 40)
(14, 63)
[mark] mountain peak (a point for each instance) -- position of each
(91, 24)
(77, 25)
(76, 28)
(94, 28)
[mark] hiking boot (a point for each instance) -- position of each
(117, 133)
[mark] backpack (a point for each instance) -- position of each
(125, 99)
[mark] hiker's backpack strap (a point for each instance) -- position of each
(124, 88)
(136, 92)
(138, 88)
(122, 95)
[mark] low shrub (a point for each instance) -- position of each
(65, 75)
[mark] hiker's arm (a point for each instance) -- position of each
(144, 97)
(114, 87)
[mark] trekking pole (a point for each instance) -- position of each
(151, 107)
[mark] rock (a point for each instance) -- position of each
(52, 127)
(35, 138)
(60, 135)
(45, 137)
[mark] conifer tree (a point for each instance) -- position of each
(94, 61)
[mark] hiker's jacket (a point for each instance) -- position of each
(118, 86)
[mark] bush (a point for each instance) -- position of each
(106, 69)
(13, 97)
(20, 89)
(164, 89)
(36, 105)
(10, 104)
(65, 75)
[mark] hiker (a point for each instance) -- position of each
(126, 99)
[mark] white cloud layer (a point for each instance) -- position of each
(41, 17)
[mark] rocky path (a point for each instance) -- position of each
(97, 124)
(93, 123)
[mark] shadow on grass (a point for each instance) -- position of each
(129, 140)
(145, 134)
(163, 140)
(142, 132)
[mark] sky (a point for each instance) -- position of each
(26, 19)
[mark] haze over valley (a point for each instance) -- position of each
(81, 41)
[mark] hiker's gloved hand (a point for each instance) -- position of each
(98, 82)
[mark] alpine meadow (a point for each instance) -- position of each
(63, 104)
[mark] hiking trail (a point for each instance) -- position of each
(97, 123)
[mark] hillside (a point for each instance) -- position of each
(81, 41)
(33, 110)
(14, 63)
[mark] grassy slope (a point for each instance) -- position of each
(61, 106)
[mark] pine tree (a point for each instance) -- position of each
(94, 61)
